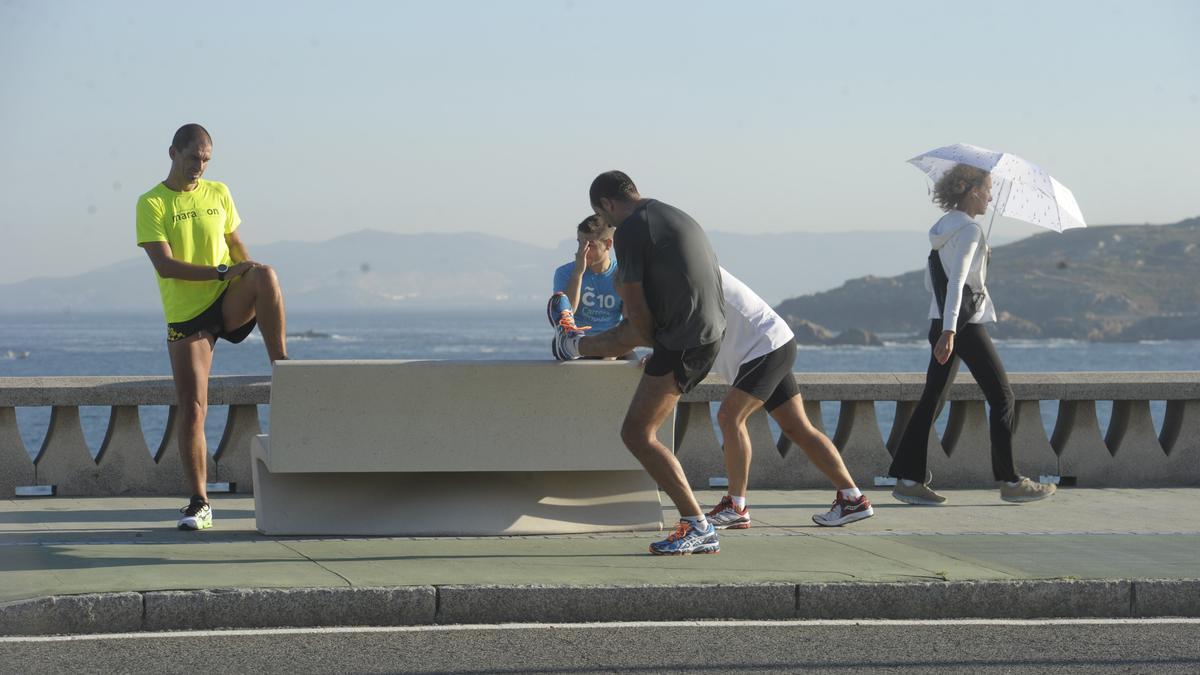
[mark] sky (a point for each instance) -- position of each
(754, 117)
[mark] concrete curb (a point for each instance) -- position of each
(89, 613)
(517, 604)
(426, 605)
(299, 607)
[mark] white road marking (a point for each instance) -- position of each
(799, 623)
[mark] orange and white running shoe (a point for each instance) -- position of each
(558, 311)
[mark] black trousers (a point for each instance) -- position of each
(973, 346)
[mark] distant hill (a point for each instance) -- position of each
(1126, 282)
(362, 270)
(370, 269)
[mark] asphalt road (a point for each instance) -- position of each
(1152, 646)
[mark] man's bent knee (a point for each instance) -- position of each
(264, 278)
(728, 419)
(636, 437)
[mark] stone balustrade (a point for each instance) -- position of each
(124, 464)
(1131, 453)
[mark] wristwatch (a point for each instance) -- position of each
(222, 269)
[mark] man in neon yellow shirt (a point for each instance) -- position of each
(210, 289)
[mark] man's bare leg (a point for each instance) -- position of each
(191, 363)
(256, 294)
(653, 401)
(731, 417)
(820, 450)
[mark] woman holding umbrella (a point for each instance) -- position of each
(958, 311)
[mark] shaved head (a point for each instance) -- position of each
(188, 134)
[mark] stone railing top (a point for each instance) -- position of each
(1105, 386)
(256, 389)
(127, 390)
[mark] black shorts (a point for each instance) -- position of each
(689, 366)
(211, 321)
(769, 377)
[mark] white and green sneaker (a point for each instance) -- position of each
(197, 515)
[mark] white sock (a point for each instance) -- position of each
(908, 483)
(851, 493)
(739, 503)
(1013, 483)
(699, 522)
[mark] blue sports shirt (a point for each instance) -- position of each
(599, 304)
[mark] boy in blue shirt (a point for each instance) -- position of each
(587, 282)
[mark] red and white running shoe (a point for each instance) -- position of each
(725, 515)
(845, 511)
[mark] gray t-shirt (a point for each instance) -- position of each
(663, 249)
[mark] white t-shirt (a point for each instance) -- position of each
(752, 328)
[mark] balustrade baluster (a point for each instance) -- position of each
(769, 468)
(967, 460)
(860, 442)
(124, 465)
(168, 470)
(697, 448)
(1181, 439)
(904, 412)
(64, 459)
(15, 466)
(1032, 452)
(1082, 453)
(1138, 459)
(233, 454)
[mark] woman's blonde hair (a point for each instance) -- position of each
(952, 188)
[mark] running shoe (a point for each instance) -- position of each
(845, 511)
(565, 345)
(725, 516)
(686, 540)
(558, 311)
(197, 515)
(1026, 490)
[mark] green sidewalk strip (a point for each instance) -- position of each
(63, 545)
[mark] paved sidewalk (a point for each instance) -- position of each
(67, 546)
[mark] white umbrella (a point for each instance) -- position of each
(1026, 191)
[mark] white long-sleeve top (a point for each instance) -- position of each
(960, 244)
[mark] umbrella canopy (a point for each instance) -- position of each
(1026, 191)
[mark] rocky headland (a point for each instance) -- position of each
(1111, 283)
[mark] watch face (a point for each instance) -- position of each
(222, 268)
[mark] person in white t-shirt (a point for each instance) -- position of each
(756, 358)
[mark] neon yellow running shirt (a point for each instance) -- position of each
(194, 224)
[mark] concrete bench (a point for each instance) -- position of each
(411, 448)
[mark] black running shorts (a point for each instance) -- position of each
(211, 321)
(769, 378)
(689, 366)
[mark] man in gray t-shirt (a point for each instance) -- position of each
(670, 287)
(664, 250)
